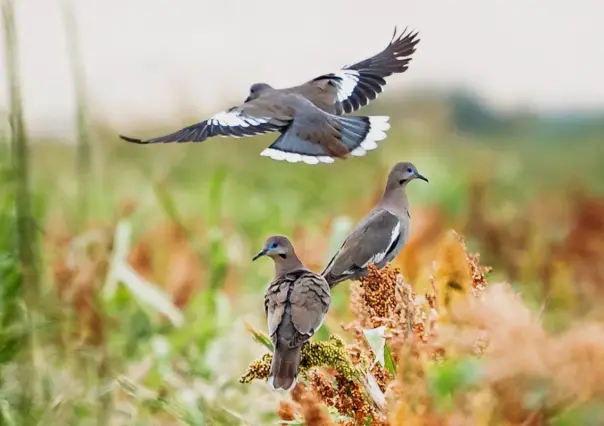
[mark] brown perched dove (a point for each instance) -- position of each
(295, 303)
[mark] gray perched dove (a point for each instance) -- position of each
(380, 235)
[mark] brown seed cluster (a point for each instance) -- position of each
(382, 376)
(373, 299)
(479, 281)
(286, 411)
(383, 298)
(310, 406)
(323, 386)
(351, 400)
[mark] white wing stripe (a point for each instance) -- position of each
(378, 257)
(235, 119)
(346, 86)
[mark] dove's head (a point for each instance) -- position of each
(277, 247)
(256, 90)
(403, 173)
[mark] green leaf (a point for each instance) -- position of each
(166, 202)
(260, 337)
(389, 363)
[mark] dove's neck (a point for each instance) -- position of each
(290, 263)
(395, 200)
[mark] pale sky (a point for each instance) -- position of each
(144, 58)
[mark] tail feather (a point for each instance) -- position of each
(359, 134)
(284, 367)
(376, 132)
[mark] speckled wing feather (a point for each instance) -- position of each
(298, 302)
(310, 301)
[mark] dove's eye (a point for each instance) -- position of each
(274, 245)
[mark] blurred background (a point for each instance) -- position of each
(144, 284)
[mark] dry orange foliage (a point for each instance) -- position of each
(175, 264)
(561, 238)
(310, 406)
(78, 270)
(80, 265)
(520, 360)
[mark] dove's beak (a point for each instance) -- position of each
(422, 177)
(260, 254)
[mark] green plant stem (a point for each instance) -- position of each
(83, 155)
(20, 158)
(26, 231)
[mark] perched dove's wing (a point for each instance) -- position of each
(275, 300)
(310, 299)
(369, 243)
(295, 305)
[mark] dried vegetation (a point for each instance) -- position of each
(467, 352)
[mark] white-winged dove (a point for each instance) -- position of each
(295, 303)
(308, 116)
(380, 235)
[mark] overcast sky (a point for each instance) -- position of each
(144, 57)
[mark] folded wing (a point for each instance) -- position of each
(369, 243)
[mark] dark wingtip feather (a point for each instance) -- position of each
(410, 37)
(393, 35)
(406, 34)
(132, 140)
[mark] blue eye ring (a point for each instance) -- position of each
(273, 245)
(410, 170)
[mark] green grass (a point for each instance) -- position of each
(189, 373)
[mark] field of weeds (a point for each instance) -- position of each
(146, 308)
(128, 295)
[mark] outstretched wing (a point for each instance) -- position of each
(354, 86)
(250, 119)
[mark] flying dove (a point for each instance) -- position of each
(309, 116)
